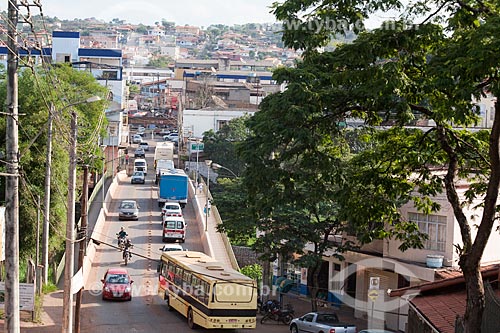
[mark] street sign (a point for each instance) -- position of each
(373, 294)
(374, 283)
(26, 296)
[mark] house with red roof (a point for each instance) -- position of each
(439, 306)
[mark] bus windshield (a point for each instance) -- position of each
(233, 292)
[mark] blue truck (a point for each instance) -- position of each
(173, 187)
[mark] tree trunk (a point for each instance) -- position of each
(314, 288)
(475, 298)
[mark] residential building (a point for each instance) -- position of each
(437, 306)
(350, 281)
(196, 122)
(104, 64)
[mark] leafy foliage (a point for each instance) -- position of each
(400, 74)
(36, 93)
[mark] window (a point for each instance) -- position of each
(434, 226)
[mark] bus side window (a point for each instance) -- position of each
(178, 275)
(187, 282)
(169, 271)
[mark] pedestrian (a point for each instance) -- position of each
(206, 210)
(200, 187)
(126, 159)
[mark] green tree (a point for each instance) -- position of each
(221, 146)
(160, 62)
(253, 271)
(142, 29)
(36, 92)
(391, 75)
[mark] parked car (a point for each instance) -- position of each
(138, 178)
(316, 322)
(128, 210)
(144, 145)
(139, 153)
(136, 138)
(171, 209)
(171, 136)
(117, 284)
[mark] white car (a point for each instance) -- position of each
(144, 145)
(171, 137)
(171, 209)
(136, 138)
(172, 247)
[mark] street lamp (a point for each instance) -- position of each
(216, 166)
(207, 208)
(197, 156)
(70, 223)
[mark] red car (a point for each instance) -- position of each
(117, 284)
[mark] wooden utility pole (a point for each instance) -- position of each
(46, 203)
(12, 317)
(67, 319)
(82, 236)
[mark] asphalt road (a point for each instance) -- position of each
(146, 312)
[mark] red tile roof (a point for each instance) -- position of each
(442, 309)
(441, 301)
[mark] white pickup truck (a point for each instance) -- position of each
(317, 322)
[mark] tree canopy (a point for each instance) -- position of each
(431, 65)
(61, 86)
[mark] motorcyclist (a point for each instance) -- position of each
(127, 245)
(122, 234)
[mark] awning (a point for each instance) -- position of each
(284, 284)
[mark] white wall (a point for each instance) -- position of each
(65, 46)
(200, 121)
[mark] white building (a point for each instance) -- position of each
(196, 122)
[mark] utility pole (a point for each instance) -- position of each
(12, 317)
(82, 236)
(67, 319)
(159, 93)
(46, 203)
(37, 250)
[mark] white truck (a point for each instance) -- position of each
(163, 165)
(316, 322)
(164, 151)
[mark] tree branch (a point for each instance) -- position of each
(490, 200)
(421, 109)
(483, 158)
(434, 14)
(451, 191)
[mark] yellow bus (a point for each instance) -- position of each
(205, 292)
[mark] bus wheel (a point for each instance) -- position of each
(167, 302)
(190, 319)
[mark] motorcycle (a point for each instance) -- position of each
(280, 315)
(126, 254)
(267, 306)
(121, 241)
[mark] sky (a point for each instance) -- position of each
(201, 13)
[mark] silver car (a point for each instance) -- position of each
(128, 210)
(138, 178)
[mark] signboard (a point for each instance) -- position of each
(374, 283)
(26, 296)
(373, 294)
